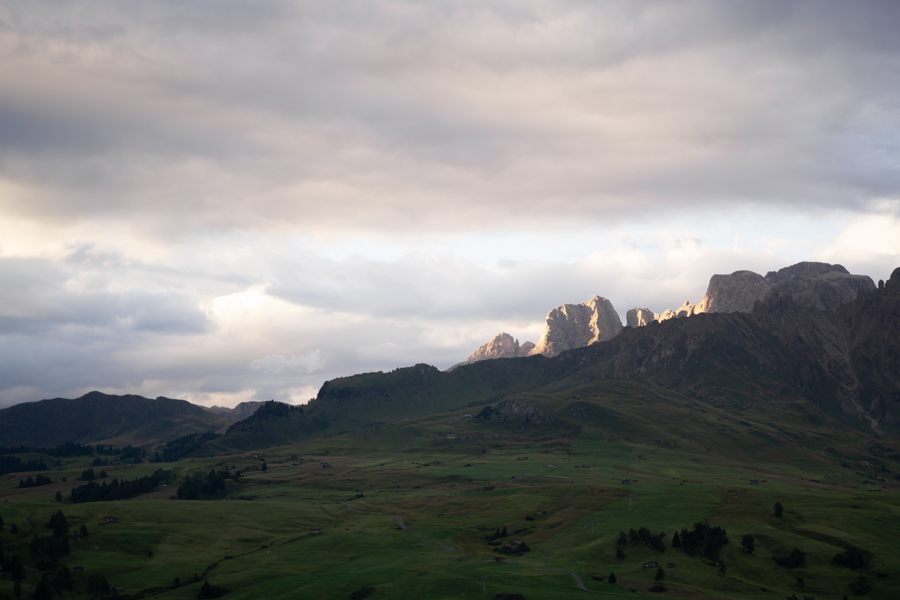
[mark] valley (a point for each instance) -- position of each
(555, 480)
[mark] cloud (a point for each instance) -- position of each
(278, 363)
(207, 199)
(395, 116)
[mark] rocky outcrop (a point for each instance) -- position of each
(812, 284)
(737, 292)
(578, 325)
(640, 317)
(502, 345)
(817, 285)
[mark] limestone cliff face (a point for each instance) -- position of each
(639, 317)
(816, 285)
(578, 325)
(502, 345)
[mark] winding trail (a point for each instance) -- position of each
(440, 544)
(575, 576)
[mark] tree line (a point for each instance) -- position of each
(119, 490)
(200, 487)
(14, 464)
(181, 447)
(34, 481)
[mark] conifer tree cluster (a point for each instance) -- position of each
(118, 490)
(701, 540)
(198, 487)
(639, 536)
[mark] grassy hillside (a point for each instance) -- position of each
(103, 418)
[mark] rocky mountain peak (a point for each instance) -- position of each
(578, 325)
(501, 345)
(813, 284)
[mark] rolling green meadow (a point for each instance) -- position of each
(553, 478)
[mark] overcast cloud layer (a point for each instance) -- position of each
(225, 201)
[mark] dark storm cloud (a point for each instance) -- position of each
(446, 115)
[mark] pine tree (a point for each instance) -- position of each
(83, 531)
(17, 569)
(660, 574)
(622, 541)
(676, 541)
(43, 590)
(778, 509)
(612, 578)
(620, 554)
(503, 533)
(748, 543)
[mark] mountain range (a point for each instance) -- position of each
(817, 350)
(817, 285)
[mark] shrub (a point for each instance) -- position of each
(796, 559)
(852, 558)
(362, 594)
(209, 591)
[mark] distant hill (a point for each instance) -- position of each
(103, 418)
(241, 411)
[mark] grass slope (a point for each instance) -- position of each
(686, 461)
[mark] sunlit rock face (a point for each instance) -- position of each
(578, 325)
(502, 345)
(639, 317)
(816, 285)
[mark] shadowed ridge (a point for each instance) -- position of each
(104, 418)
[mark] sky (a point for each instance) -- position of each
(227, 200)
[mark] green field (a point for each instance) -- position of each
(256, 541)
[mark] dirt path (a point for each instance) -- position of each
(440, 544)
(575, 576)
(578, 582)
(395, 517)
